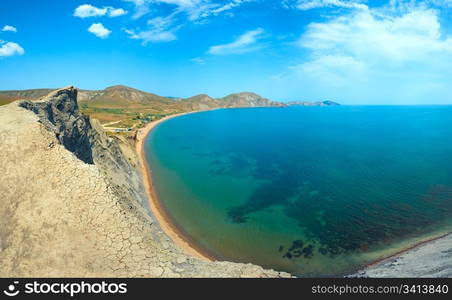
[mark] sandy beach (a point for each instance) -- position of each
(159, 212)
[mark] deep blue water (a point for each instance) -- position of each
(317, 191)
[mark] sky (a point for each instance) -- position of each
(351, 51)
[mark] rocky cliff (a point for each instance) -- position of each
(73, 205)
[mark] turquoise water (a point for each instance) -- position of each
(316, 191)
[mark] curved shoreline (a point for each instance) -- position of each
(404, 251)
(158, 211)
(184, 242)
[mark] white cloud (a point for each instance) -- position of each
(9, 28)
(116, 12)
(247, 42)
(312, 4)
(437, 3)
(99, 30)
(10, 49)
(226, 7)
(179, 14)
(161, 22)
(87, 11)
(160, 29)
(153, 36)
(141, 7)
(399, 52)
(414, 36)
(194, 9)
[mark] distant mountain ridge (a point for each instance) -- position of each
(122, 96)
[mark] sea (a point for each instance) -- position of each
(314, 191)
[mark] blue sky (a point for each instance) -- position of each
(351, 51)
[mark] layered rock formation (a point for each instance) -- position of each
(73, 205)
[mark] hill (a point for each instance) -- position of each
(199, 102)
(122, 96)
(247, 99)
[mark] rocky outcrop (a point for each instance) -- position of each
(73, 205)
(85, 138)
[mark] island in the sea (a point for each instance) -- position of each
(84, 187)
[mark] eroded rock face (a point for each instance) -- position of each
(60, 115)
(72, 205)
(85, 138)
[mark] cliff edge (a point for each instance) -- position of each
(72, 205)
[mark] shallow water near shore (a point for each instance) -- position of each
(315, 191)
